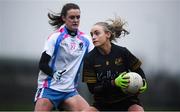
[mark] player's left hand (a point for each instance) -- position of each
(144, 87)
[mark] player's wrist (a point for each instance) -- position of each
(116, 82)
(113, 82)
(52, 73)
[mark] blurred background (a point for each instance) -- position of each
(154, 38)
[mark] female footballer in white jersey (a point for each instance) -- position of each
(61, 62)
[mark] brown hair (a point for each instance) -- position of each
(56, 19)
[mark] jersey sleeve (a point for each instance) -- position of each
(89, 75)
(132, 62)
(50, 44)
(44, 64)
(91, 45)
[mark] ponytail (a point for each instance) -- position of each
(55, 20)
(117, 28)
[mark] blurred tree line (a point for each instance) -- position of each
(18, 84)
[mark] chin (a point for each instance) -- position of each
(75, 28)
(96, 44)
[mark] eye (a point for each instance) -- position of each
(91, 34)
(78, 17)
(73, 17)
(96, 33)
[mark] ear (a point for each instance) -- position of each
(63, 18)
(108, 34)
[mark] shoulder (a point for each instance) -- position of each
(90, 57)
(54, 35)
(85, 35)
(92, 53)
(119, 48)
(88, 40)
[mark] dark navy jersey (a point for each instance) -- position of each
(100, 69)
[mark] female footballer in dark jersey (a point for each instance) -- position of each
(105, 69)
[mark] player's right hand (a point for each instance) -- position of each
(57, 75)
(122, 80)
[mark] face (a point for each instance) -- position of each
(99, 36)
(72, 19)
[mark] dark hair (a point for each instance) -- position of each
(116, 28)
(55, 20)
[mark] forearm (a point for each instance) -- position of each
(44, 64)
(101, 86)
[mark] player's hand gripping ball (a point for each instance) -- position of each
(131, 82)
(135, 83)
(122, 80)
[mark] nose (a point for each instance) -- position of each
(93, 37)
(76, 19)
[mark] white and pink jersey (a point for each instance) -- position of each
(67, 54)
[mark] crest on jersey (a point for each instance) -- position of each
(118, 61)
(81, 45)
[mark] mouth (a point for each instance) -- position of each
(94, 42)
(75, 24)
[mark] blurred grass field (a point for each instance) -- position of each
(19, 80)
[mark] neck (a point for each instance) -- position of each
(71, 32)
(105, 49)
